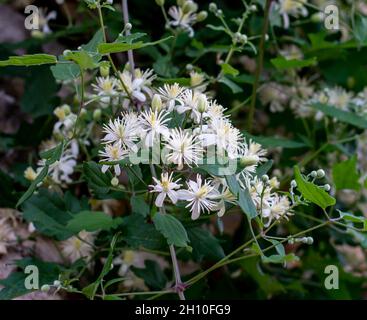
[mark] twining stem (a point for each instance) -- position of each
(259, 68)
(176, 269)
(125, 13)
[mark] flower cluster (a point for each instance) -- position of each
(191, 129)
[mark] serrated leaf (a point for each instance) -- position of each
(311, 192)
(172, 229)
(29, 60)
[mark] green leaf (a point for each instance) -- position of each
(35, 101)
(172, 229)
(138, 233)
(274, 142)
(92, 45)
(49, 214)
(204, 245)
(264, 168)
(85, 60)
(345, 175)
(42, 175)
(235, 88)
(54, 154)
(139, 206)
(311, 192)
(233, 184)
(92, 221)
(29, 60)
(282, 63)
(341, 115)
(349, 217)
(99, 182)
(228, 69)
(106, 48)
(276, 258)
(246, 204)
(152, 275)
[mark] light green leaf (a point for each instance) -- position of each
(276, 258)
(311, 192)
(345, 175)
(85, 60)
(106, 48)
(92, 221)
(341, 115)
(349, 217)
(172, 229)
(282, 63)
(228, 69)
(29, 60)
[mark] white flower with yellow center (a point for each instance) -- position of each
(184, 148)
(79, 247)
(165, 187)
(215, 111)
(250, 156)
(200, 195)
(125, 129)
(154, 124)
(182, 20)
(105, 88)
(171, 94)
(111, 153)
(293, 8)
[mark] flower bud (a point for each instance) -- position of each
(265, 178)
(97, 114)
(309, 240)
(104, 69)
(320, 173)
(57, 283)
(313, 174)
(128, 26)
(293, 184)
(45, 288)
(160, 2)
(202, 15)
(327, 187)
(249, 160)
(202, 103)
(157, 103)
(213, 7)
(114, 182)
(243, 38)
(253, 8)
(189, 6)
(266, 37)
(66, 109)
(219, 12)
(317, 17)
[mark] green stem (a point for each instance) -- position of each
(259, 68)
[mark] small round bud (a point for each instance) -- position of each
(291, 241)
(57, 283)
(66, 52)
(253, 8)
(189, 6)
(128, 26)
(317, 17)
(313, 174)
(45, 288)
(309, 240)
(213, 7)
(114, 182)
(219, 12)
(320, 173)
(265, 178)
(202, 15)
(266, 37)
(327, 187)
(156, 103)
(189, 67)
(66, 109)
(243, 38)
(293, 184)
(160, 2)
(97, 114)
